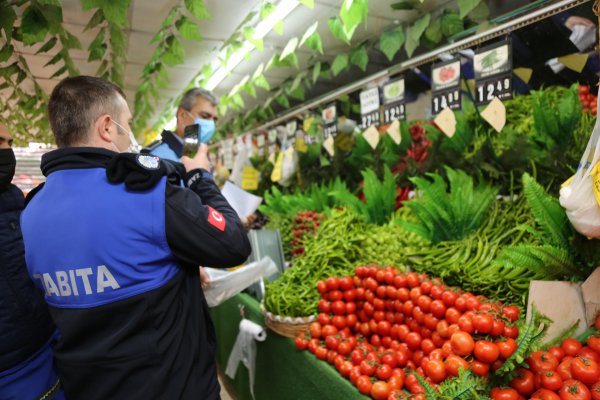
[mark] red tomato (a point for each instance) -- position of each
(312, 345)
(424, 302)
(413, 340)
(511, 332)
(466, 324)
(597, 322)
(540, 361)
(412, 279)
(438, 308)
(396, 381)
(315, 330)
(480, 368)
(344, 348)
(589, 353)
(322, 287)
(324, 319)
(472, 303)
(486, 351)
(449, 298)
(523, 382)
(335, 295)
(574, 390)
(593, 343)
(332, 342)
(339, 322)
(435, 370)
(338, 307)
(346, 283)
(497, 328)
(321, 353)
(551, 380)
(384, 372)
(427, 346)
(452, 315)
(364, 385)
(329, 330)
(324, 306)
(301, 343)
(564, 368)
(380, 390)
(557, 352)
(368, 367)
(505, 394)
(357, 356)
(585, 370)
(507, 348)
(453, 363)
(355, 374)
(595, 390)
(511, 312)
(462, 343)
(571, 347)
(350, 295)
(332, 283)
(545, 394)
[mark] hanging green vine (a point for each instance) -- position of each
(41, 22)
(110, 45)
(169, 52)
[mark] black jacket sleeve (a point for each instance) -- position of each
(202, 228)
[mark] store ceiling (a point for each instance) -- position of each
(145, 18)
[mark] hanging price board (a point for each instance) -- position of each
(369, 107)
(493, 73)
(445, 86)
(393, 101)
(329, 121)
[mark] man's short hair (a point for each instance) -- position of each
(189, 98)
(75, 104)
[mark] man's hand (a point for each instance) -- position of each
(204, 278)
(575, 20)
(200, 160)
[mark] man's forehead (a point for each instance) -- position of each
(4, 132)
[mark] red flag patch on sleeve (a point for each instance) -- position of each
(216, 219)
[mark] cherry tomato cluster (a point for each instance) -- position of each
(305, 225)
(568, 372)
(380, 323)
(418, 150)
(589, 101)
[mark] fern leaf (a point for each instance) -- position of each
(430, 392)
(548, 213)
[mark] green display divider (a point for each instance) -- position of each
(282, 371)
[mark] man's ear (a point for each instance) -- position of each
(102, 127)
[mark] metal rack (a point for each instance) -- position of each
(492, 33)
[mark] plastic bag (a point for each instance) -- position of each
(578, 195)
(224, 284)
(289, 167)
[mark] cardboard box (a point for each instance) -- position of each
(591, 296)
(562, 302)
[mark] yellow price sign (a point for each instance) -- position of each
(250, 176)
(276, 174)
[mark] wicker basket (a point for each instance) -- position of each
(287, 326)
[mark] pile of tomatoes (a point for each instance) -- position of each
(304, 226)
(568, 372)
(380, 325)
(589, 101)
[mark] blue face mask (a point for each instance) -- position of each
(207, 128)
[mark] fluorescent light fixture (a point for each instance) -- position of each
(282, 10)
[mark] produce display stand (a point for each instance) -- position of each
(282, 372)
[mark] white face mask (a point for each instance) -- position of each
(134, 147)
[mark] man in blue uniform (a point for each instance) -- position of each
(26, 329)
(115, 242)
(197, 106)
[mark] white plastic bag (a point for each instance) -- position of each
(577, 197)
(225, 284)
(289, 167)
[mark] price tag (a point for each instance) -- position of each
(394, 132)
(369, 107)
(495, 114)
(329, 121)
(493, 73)
(250, 177)
(446, 121)
(328, 145)
(445, 86)
(371, 135)
(276, 174)
(393, 101)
